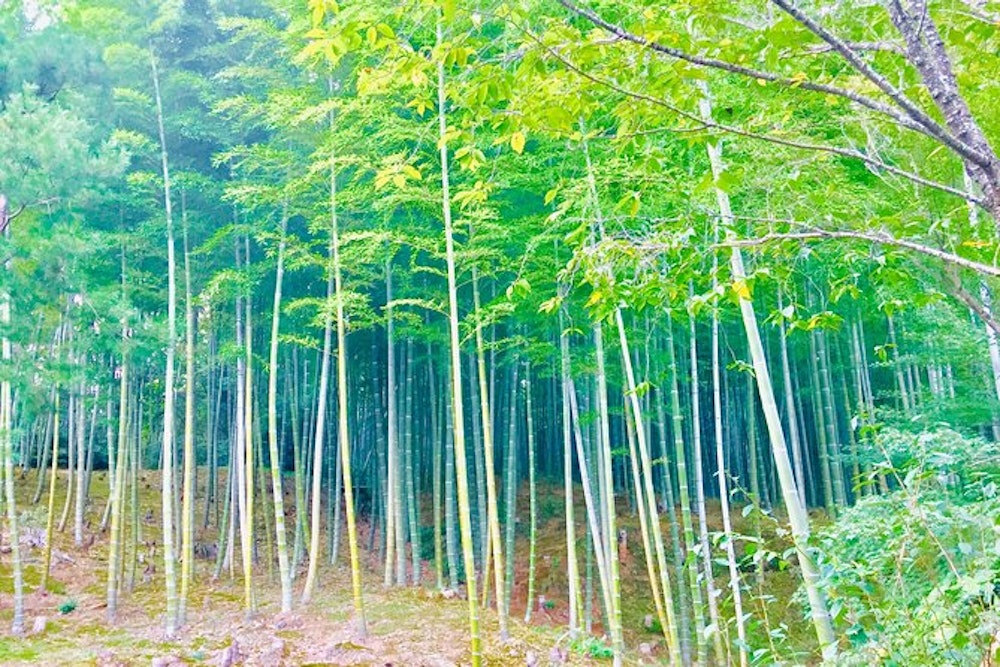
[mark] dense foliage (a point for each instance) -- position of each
(350, 275)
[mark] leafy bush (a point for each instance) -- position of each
(913, 575)
(592, 647)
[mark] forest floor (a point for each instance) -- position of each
(406, 626)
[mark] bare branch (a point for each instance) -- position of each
(880, 237)
(958, 291)
(885, 47)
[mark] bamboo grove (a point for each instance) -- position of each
(392, 287)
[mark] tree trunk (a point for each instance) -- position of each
(458, 417)
(797, 516)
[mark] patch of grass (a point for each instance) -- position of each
(18, 649)
(32, 580)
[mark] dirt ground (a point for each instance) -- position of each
(406, 626)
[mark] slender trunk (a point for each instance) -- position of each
(607, 486)
(451, 520)
(480, 468)
(647, 483)
(684, 491)
(830, 418)
(50, 517)
(343, 435)
(797, 516)
(242, 447)
(572, 568)
(409, 450)
(436, 471)
(532, 492)
(458, 417)
(169, 572)
(822, 434)
(597, 544)
(190, 463)
(793, 429)
(395, 553)
(284, 570)
(71, 438)
(723, 478)
(319, 435)
(80, 499)
(118, 494)
(44, 447)
(7, 447)
(492, 510)
(699, 486)
(510, 499)
(904, 394)
(612, 578)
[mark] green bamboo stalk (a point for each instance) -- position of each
(342, 413)
(798, 518)
(169, 568)
(822, 433)
(437, 469)
(7, 446)
(607, 484)
(647, 482)
(699, 484)
(118, 495)
(684, 491)
(50, 517)
(187, 514)
(458, 418)
(492, 509)
(319, 435)
(532, 493)
(663, 612)
(284, 569)
(830, 418)
(572, 568)
(510, 521)
(409, 453)
(451, 520)
(395, 555)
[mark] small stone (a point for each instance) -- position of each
(167, 661)
(275, 654)
(229, 656)
(645, 649)
(287, 621)
(530, 659)
(648, 622)
(38, 627)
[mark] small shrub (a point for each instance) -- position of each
(592, 647)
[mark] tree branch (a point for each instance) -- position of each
(885, 47)
(912, 110)
(715, 63)
(711, 124)
(958, 291)
(880, 237)
(926, 51)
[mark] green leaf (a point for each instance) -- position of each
(517, 142)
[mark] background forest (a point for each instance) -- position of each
(645, 332)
